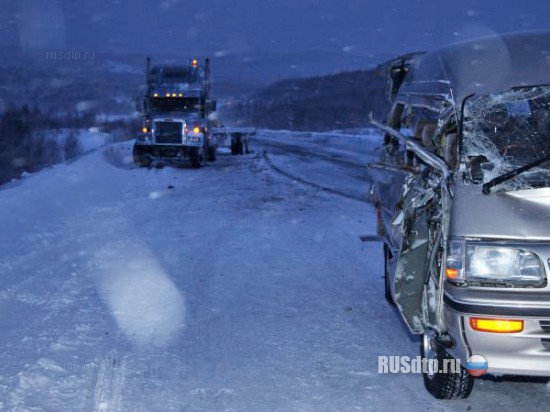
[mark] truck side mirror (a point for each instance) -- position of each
(143, 105)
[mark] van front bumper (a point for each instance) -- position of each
(524, 353)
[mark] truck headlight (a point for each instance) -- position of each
(493, 265)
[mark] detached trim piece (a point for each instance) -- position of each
(429, 158)
(480, 309)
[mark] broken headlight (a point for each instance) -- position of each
(493, 265)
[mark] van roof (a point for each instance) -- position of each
(479, 66)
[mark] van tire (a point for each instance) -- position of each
(450, 385)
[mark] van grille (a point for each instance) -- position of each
(168, 132)
(545, 325)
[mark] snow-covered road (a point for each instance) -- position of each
(229, 288)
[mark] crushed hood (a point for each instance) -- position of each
(522, 214)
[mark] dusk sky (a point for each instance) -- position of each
(223, 27)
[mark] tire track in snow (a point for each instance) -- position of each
(312, 184)
(110, 383)
(313, 152)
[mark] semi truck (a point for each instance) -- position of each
(178, 114)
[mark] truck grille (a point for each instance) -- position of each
(168, 132)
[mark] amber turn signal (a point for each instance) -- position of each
(496, 325)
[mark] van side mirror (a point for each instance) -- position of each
(487, 166)
(480, 165)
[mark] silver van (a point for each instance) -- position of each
(462, 194)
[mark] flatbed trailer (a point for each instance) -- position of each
(237, 138)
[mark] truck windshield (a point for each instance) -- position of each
(172, 76)
(509, 130)
(174, 104)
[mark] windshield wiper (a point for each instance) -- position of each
(486, 188)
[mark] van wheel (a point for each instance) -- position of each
(387, 287)
(443, 385)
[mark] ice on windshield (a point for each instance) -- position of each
(505, 131)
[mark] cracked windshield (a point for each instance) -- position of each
(510, 130)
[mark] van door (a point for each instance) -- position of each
(410, 280)
(387, 196)
(403, 197)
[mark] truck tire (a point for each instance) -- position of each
(444, 385)
(141, 159)
(387, 287)
(237, 146)
(196, 157)
(211, 154)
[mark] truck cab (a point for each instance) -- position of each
(177, 115)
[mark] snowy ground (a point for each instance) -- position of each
(229, 288)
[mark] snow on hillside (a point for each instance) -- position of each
(88, 139)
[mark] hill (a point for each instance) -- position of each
(330, 102)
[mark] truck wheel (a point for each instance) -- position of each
(236, 147)
(141, 159)
(196, 157)
(237, 144)
(211, 154)
(387, 287)
(443, 384)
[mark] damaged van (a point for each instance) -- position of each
(462, 194)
